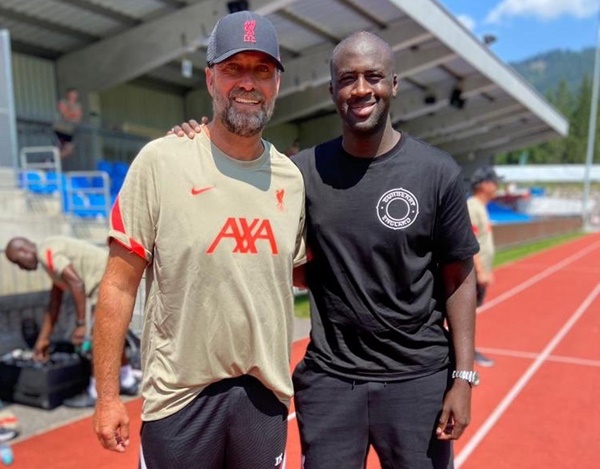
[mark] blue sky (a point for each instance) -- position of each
(524, 28)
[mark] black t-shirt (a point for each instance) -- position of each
(378, 230)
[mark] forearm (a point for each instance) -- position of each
(460, 311)
(51, 314)
(112, 317)
(79, 299)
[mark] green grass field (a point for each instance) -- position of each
(505, 256)
(513, 254)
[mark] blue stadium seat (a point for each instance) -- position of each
(86, 194)
(39, 181)
(116, 171)
(501, 214)
(118, 176)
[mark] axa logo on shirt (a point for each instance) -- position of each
(242, 236)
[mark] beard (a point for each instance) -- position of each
(245, 123)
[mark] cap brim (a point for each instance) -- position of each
(231, 53)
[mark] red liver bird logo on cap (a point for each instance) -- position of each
(249, 31)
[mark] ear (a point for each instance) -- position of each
(278, 81)
(395, 85)
(208, 72)
(331, 88)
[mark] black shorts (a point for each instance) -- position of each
(339, 419)
(63, 138)
(233, 424)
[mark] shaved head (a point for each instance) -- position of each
(22, 252)
(364, 42)
(363, 84)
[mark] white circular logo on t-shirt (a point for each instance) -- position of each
(397, 209)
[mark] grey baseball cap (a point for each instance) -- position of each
(239, 32)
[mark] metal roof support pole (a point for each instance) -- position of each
(589, 157)
(8, 122)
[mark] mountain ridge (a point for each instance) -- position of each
(547, 69)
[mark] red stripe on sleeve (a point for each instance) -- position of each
(137, 248)
(49, 260)
(116, 218)
(134, 247)
(475, 229)
(118, 225)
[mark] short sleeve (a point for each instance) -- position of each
(454, 238)
(135, 212)
(475, 217)
(53, 261)
(300, 254)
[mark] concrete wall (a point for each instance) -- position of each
(34, 87)
(282, 136)
(140, 110)
(318, 131)
(509, 235)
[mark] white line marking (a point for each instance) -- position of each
(291, 417)
(536, 278)
(534, 355)
(142, 464)
(519, 385)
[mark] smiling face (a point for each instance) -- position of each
(363, 83)
(244, 88)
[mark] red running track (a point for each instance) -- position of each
(536, 408)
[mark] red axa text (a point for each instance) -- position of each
(245, 235)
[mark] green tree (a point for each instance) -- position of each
(572, 148)
(554, 151)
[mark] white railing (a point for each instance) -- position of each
(87, 194)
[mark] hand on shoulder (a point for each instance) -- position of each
(189, 128)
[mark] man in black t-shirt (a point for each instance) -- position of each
(391, 260)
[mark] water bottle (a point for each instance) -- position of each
(6, 454)
(85, 350)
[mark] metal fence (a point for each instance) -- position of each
(92, 143)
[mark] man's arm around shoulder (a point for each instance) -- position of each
(113, 314)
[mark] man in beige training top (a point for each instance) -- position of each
(484, 185)
(216, 223)
(75, 266)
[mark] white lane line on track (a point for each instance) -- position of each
(536, 278)
(534, 355)
(525, 378)
(291, 417)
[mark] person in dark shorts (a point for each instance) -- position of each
(484, 186)
(391, 260)
(217, 226)
(69, 117)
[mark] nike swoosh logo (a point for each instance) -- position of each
(198, 191)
